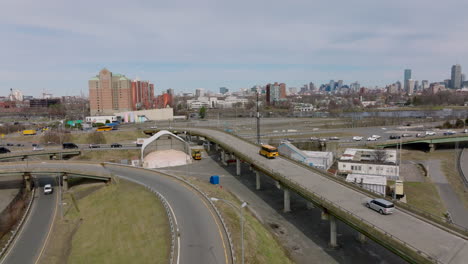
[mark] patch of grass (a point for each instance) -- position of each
(260, 245)
(110, 136)
(118, 223)
(424, 196)
(109, 155)
(449, 163)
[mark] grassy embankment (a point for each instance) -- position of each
(260, 245)
(424, 195)
(119, 223)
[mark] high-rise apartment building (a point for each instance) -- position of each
(455, 81)
(142, 95)
(282, 90)
(424, 84)
(109, 93)
(275, 92)
(407, 76)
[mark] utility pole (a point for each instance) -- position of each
(258, 123)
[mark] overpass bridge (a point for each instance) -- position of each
(66, 170)
(430, 141)
(408, 233)
(52, 154)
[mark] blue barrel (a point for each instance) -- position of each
(214, 179)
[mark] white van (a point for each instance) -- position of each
(48, 189)
(381, 205)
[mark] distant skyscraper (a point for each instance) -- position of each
(424, 84)
(199, 92)
(416, 86)
(311, 86)
(282, 90)
(447, 83)
(407, 77)
(456, 77)
(223, 90)
(410, 86)
(463, 77)
(332, 85)
(340, 84)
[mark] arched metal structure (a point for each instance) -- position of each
(164, 140)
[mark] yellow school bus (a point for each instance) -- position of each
(29, 132)
(104, 128)
(269, 151)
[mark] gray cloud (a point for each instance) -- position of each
(367, 40)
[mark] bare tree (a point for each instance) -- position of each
(380, 155)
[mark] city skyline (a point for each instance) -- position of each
(188, 46)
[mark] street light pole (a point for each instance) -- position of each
(241, 213)
(258, 122)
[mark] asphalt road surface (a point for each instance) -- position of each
(202, 239)
(29, 242)
(447, 248)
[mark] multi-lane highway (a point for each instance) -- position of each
(422, 236)
(201, 238)
(30, 241)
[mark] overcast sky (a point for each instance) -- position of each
(57, 45)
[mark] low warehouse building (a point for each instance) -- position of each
(318, 159)
(377, 184)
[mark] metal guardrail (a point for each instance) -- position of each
(460, 171)
(218, 213)
(18, 228)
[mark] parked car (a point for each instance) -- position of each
(430, 133)
(357, 138)
(10, 144)
(48, 189)
(94, 146)
(116, 145)
(376, 136)
(449, 133)
(314, 138)
(465, 131)
(4, 150)
(371, 139)
(406, 135)
(334, 138)
(38, 148)
(380, 205)
(394, 137)
(322, 139)
(420, 135)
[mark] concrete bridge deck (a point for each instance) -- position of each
(413, 238)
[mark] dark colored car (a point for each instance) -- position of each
(394, 137)
(116, 145)
(10, 144)
(4, 150)
(69, 146)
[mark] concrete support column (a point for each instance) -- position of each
(431, 147)
(238, 167)
(333, 242)
(257, 179)
(310, 205)
(361, 237)
(27, 180)
(65, 182)
(223, 157)
(287, 201)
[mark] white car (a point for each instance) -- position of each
(371, 139)
(48, 189)
(376, 136)
(38, 148)
(430, 133)
(357, 138)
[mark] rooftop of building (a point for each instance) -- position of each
(369, 156)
